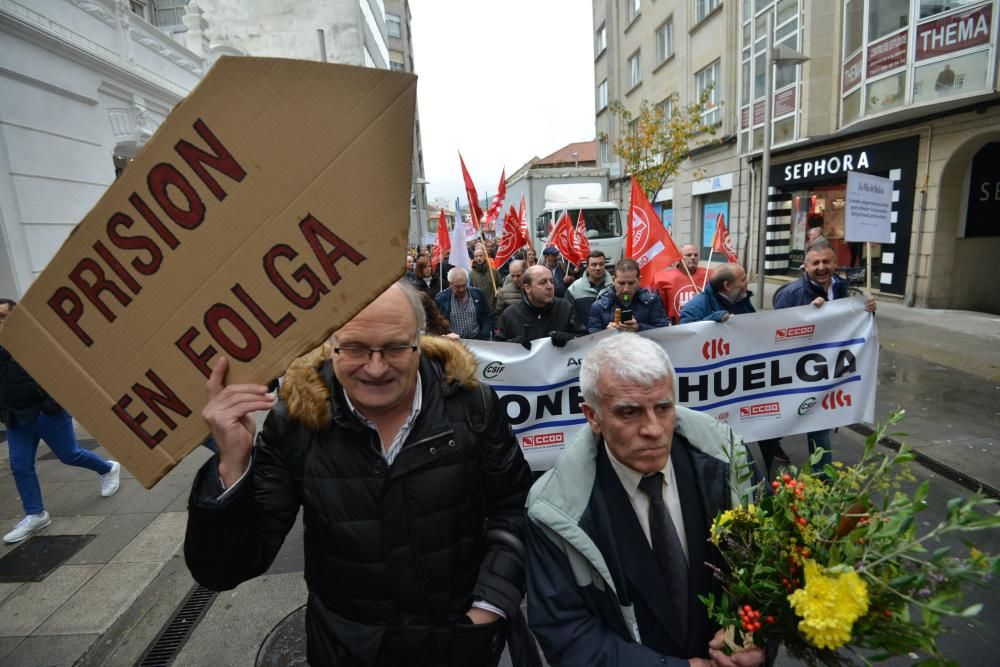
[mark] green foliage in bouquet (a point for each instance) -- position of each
(823, 564)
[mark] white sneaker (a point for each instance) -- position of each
(109, 480)
(27, 526)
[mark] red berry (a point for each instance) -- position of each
(770, 619)
(887, 613)
(786, 477)
(802, 521)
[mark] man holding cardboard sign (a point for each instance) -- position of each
(412, 486)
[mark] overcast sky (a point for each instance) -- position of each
(501, 82)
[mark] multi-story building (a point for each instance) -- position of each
(905, 89)
(82, 86)
(397, 28)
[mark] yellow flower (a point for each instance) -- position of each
(736, 515)
(829, 605)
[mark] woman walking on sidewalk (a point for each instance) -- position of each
(32, 415)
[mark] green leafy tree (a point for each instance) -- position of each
(653, 146)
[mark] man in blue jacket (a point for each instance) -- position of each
(818, 284)
(641, 308)
(465, 307)
(725, 295)
(618, 529)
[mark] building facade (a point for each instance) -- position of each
(905, 89)
(82, 86)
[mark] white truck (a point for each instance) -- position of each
(605, 229)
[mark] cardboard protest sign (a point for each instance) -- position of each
(270, 207)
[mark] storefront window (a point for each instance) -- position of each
(932, 7)
(885, 94)
(885, 16)
(784, 131)
(951, 77)
(714, 207)
(854, 23)
(820, 212)
(852, 107)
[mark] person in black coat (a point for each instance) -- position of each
(411, 483)
(540, 314)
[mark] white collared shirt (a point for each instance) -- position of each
(640, 501)
(404, 431)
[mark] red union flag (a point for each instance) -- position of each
(580, 241)
(473, 196)
(497, 203)
(562, 237)
(520, 218)
(512, 239)
(722, 241)
(648, 242)
(443, 243)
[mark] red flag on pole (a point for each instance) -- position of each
(582, 243)
(497, 203)
(562, 237)
(512, 239)
(648, 242)
(443, 243)
(470, 193)
(721, 242)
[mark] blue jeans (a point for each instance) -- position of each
(57, 431)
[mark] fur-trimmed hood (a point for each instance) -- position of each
(307, 394)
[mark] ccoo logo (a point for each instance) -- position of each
(543, 439)
(804, 331)
(715, 348)
(492, 370)
(836, 399)
(772, 409)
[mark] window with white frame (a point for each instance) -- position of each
(703, 8)
(601, 40)
(667, 108)
(602, 94)
(665, 41)
(633, 8)
(634, 70)
(602, 150)
(393, 27)
(708, 79)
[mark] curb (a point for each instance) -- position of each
(932, 464)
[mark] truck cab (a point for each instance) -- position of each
(605, 231)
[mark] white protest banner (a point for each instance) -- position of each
(766, 375)
(868, 213)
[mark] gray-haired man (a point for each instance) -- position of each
(618, 529)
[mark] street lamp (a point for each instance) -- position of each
(775, 56)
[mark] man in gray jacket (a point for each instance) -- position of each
(618, 529)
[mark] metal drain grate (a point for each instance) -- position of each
(171, 639)
(934, 465)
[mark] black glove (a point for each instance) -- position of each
(560, 338)
(520, 340)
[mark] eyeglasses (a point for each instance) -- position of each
(362, 353)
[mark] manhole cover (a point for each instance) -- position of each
(36, 558)
(286, 645)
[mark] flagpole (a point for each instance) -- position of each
(708, 269)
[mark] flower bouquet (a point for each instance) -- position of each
(836, 561)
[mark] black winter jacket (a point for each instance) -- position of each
(21, 398)
(394, 555)
(524, 320)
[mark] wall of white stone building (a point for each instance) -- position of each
(76, 79)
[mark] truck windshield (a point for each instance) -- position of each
(602, 223)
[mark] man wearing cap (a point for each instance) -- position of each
(561, 279)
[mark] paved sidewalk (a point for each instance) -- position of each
(108, 601)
